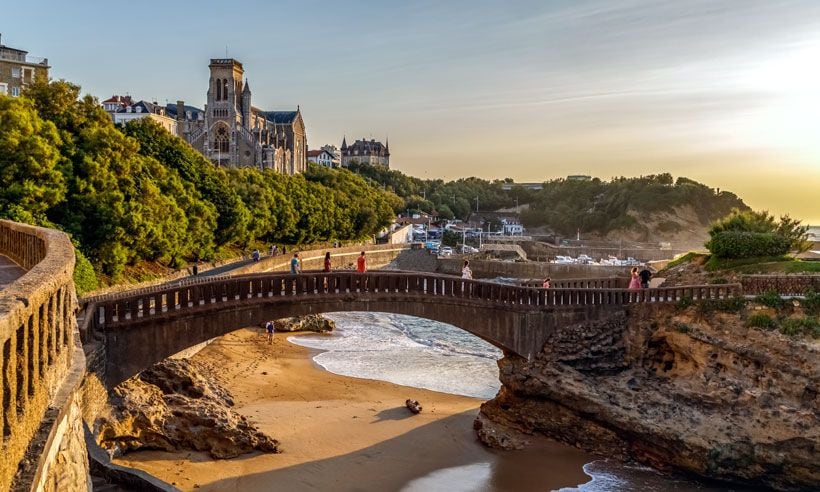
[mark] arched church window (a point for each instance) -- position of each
(225, 89)
(222, 140)
(218, 90)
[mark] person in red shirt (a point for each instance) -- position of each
(361, 263)
(327, 262)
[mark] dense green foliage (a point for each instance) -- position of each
(771, 299)
(139, 193)
(601, 206)
(746, 234)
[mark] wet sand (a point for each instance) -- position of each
(346, 434)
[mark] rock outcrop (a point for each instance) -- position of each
(673, 388)
(174, 406)
(309, 322)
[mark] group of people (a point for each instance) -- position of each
(296, 263)
(640, 280)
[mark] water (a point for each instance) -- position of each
(408, 351)
(427, 354)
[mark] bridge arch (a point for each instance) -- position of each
(145, 327)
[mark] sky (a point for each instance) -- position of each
(724, 92)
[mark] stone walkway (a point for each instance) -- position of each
(9, 271)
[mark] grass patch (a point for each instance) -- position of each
(763, 321)
(799, 326)
(771, 299)
(732, 305)
(687, 258)
(764, 264)
(682, 328)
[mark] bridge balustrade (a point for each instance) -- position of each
(409, 286)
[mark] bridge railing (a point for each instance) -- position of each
(581, 283)
(36, 334)
(411, 286)
(785, 285)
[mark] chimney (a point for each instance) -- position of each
(180, 110)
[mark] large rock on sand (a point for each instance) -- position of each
(310, 322)
(174, 406)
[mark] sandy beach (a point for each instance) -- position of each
(347, 434)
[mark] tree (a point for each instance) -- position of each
(746, 233)
(30, 182)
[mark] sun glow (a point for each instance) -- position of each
(789, 116)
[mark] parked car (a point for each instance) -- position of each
(446, 251)
(467, 249)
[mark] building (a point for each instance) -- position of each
(144, 109)
(231, 132)
(579, 177)
(17, 69)
(366, 152)
(321, 157)
(334, 151)
(114, 103)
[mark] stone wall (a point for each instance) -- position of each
(341, 259)
(531, 269)
(37, 339)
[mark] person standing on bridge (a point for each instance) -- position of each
(635, 280)
(295, 264)
(645, 275)
(327, 262)
(466, 272)
(361, 263)
(546, 284)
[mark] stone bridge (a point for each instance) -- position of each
(143, 328)
(52, 384)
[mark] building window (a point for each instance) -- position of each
(222, 140)
(15, 91)
(15, 72)
(218, 90)
(4, 88)
(225, 89)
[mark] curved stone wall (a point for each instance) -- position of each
(38, 354)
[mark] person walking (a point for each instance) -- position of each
(269, 330)
(361, 263)
(255, 255)
(645, 275)
(546, 284)
(295, 264)
(327, 262)
(466, 272)
(635, 280)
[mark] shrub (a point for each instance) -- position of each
(770, 298)
(731, 305)
(718, 280)
(85, 279)
(761, 321)
(742, 244)
(812, 302)
(684, 303)
(682, 328)
(796, 326)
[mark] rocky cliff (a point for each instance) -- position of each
(676, 388)
(173, 405)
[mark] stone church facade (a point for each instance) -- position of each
(232, 133)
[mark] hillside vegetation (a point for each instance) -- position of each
(140, 194)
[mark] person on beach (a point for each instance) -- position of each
(635, 280)
(465, 270)
(645, 275)
(361, 263)
(546, 284)
(295, 266)
(269, 330)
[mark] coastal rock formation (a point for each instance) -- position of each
(309, 322)
(675, 388)
(173, 406)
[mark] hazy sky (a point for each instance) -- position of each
(726, 92)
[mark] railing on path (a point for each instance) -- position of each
(581, 283)
(785, 285)
(416, 287)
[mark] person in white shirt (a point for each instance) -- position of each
(465, 271)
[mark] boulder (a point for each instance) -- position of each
(173, 406)
(310, 322)
(413, 405)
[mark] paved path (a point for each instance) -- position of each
(9, 271)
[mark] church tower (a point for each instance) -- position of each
(223, 113)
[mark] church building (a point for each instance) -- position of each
(232, 133)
